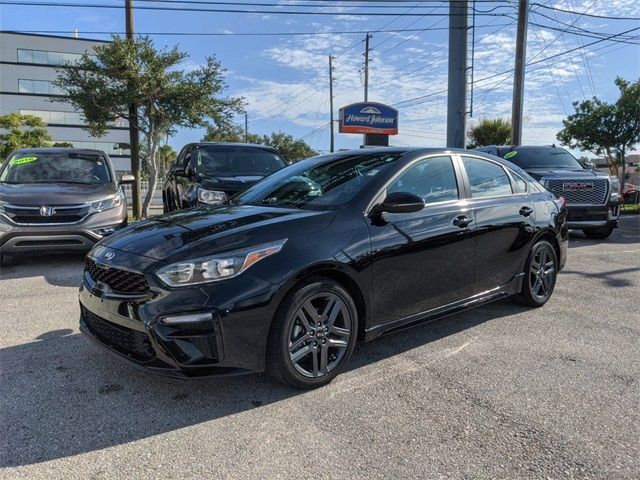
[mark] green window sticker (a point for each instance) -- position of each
(23, 160)
(510, 154)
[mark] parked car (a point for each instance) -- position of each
(322, 253)
(58, 199)
(593, 198)
(211, 173)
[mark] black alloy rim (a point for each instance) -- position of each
(319, 334)
(542, 273)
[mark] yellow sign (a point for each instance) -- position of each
(23, 160)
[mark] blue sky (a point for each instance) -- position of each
(285, 79)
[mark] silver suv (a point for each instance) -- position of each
(58, 199)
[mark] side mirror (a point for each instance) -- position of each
(400, 202)
(127, 178)
(177, 170)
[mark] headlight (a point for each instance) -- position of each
(217, 267)
(615, 184)
(109, 202)
(211, 197)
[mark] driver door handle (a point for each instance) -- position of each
(461, 221)
(526, 211)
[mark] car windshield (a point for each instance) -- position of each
(323, 187)
(56, 167)
(233, 161)
(543, 158)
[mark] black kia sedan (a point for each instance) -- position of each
(334, 249)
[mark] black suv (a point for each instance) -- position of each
(593, 198)
(211, 173)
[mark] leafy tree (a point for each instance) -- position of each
(291, 149)
(609, 128)
(21, 131)
(166, 156)
(127, 71)
(63, 144)
(494, 131)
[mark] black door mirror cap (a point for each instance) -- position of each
(400, 202)
(177, 170)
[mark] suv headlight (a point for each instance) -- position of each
(615, 184)
(211, 197)
(216, 267)
(109, 202)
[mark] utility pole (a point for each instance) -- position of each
(331, 142)
(133, 128)
(518, 79)
(246, 127)
(457, 82)
(366, 67)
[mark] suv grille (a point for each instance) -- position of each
(61, 214)
(120, 281)
(593, 196)
(125, 340)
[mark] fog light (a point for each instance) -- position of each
(186, 318)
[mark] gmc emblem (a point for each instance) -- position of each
(577, 186)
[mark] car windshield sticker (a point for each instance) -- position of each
(510, 154)
(23, 160)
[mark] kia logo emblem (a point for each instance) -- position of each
(46, 211)
(109, 255)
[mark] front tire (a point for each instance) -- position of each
(599, 233)
(313, 334)
(540, 274)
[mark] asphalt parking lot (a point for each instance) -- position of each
(498, 392)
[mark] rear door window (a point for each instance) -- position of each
(486, 179)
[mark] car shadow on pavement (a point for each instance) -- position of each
(61, 270)
(62, 396)
(612, 278)
(628, 232)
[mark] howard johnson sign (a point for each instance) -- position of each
(369, 117)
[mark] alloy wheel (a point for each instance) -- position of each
(319, 335)
(542, 272)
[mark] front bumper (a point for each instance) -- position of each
(15, 238)
(233, 342)
(593, 216)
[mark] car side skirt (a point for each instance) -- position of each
(511, 288)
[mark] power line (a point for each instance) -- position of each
(232, 10)
(592, 15)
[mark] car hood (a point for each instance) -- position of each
(37, 194)
(580, 174)
(206, 230)
(229, 184)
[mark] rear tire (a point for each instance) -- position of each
(598, 233)
(540, 274)
(313, 334)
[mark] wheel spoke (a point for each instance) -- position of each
(337, 343)
(331, 314)
(340, 332)
(310, 312)
(295, 345)
(315, 361)
(324, 359)
(536, 286)
(303, 321)
(300, 354)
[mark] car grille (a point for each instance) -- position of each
(125, 340)
(31, 215)
(596, 196)
(120, 281)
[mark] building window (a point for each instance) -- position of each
(41, 87)
(43, 57)
(111, 148)
(67, 118)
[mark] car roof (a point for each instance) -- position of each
(520, 147)
(59, 150)
(233, 144)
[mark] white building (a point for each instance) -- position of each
(28, 66)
